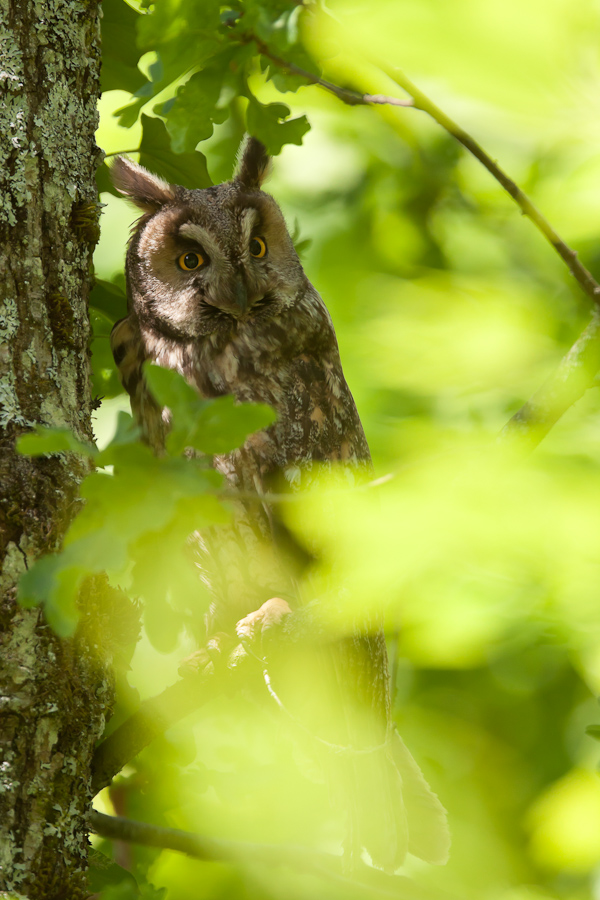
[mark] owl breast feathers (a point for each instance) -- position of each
(216, 291)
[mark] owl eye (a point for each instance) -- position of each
(258, 248)
(190, 261)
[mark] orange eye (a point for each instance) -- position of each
(258, 248)
(190, 261)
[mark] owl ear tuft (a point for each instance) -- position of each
(253, 165)
(146, 190)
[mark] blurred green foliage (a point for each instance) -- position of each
(450, 311)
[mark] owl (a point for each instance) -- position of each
(216, 291)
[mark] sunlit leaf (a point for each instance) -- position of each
(193, 112)
(268, 123)
(108, 298)
(120, 54)
(212, 426)
(224, 424)
(44, 440)
(103, 873)
(187, 169)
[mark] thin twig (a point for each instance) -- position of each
(575, 374)
(419, 100)
(200, 847)
(346, 95)
(578, 369)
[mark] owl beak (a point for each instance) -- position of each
(240, 295)
(232, 299)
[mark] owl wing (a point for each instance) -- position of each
(394, 809)
(128, 352)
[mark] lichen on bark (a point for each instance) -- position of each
(54, 695)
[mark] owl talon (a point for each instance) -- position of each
(217, 644)
(199, 661)
(209, 657)
(270, 615)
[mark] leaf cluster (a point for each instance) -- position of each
(139, 510)
(203, 62)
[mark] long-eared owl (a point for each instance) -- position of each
(216, 291)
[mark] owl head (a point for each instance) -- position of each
(209, 260)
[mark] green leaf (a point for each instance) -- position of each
(268, 125)
(60, 608)
(109, 298)
(103, 872)
(43, 441)
(125, 890)
(593, 731)
(192, 113)
(100, 322)
(54, 583)
(119, 50)
(162, 624)
(127, 434)
(171, 389)
(183, 33)
(224, 424)
(36, 583)
(211, 426)
(183, 41)
(99, 550)
(103, 182)
(285, 80)
(105, 377)
(187, 169)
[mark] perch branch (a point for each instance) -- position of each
(575, 374)
(117, 828)
(327, 865)
(121, 829)
(154, 717)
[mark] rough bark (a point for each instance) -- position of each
(53, 694)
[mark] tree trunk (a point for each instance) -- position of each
(54, 694)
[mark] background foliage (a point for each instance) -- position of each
(450, 310)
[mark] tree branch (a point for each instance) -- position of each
(579, 367)
(351, 98)
(156, 715)
(419, 100)
(326, 865)
(117, 828)
(575, 374)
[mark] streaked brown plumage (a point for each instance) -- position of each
(247, 322)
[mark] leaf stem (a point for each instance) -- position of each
(419, 100)
(574, 375)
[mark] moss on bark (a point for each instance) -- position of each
(54, 695)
